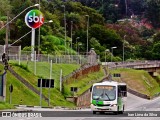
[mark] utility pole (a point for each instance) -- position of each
(126, 7)
(39, 39)
(71, 34)
(87, 31)
(6, 41)
(5, 59)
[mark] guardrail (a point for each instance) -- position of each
(134, 64)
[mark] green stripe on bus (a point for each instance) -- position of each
(95, 102)
(120, 103)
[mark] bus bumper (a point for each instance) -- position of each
(103, 108)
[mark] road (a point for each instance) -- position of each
(135, 108)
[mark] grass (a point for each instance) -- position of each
(4, 105)
(138, 80)
(83, 83)
(43, 70)
(20, 92)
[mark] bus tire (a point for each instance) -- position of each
(94, 112)
(121, 112)
(116, 112)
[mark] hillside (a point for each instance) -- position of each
(138, 80)
(43, 71)
(20, 92)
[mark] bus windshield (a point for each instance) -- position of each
(104, 92)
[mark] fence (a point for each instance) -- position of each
(15, 53)
(74, 59)
(70, 59)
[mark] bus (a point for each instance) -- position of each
(108, 96)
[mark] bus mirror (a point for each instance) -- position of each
(91, 89)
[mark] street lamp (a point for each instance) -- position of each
(8, 22)
(79, 56)
(102, 7)
(71, 33)
(65, 25)
(77, 44)
(50, 21)
(87, 30)
(70, 44)
(126, 7)
(112, 52)
(39, 42)
(107, 50)
(19, 15)
(123, 47)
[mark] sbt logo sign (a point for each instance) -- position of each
(34, 19)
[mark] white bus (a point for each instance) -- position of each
(108, 96)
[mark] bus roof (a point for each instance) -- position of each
(110, 83)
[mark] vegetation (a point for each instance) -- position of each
(4, 105)
(81, 82)
(109, 22)
(138, 80)
(43, 71)
(20, 95)
(133, 25)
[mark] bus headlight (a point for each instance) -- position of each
(113, 105)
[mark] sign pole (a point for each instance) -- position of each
(41, 92)
(61, 80)
(50, 84)
(35, 62)
(10, 93)
(10, 98)
(32, 44)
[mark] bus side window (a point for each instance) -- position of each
(122, 91)
(119, 92)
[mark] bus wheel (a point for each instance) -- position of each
(94, 112)
(121, 112)
(116, 112)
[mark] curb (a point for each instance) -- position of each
(56, 107)
(31, 106)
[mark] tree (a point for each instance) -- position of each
(106, 37)
(156, 37)
(5, 7)
(153, 12)
(155, 51)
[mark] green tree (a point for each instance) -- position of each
(156, 37)
(99, 49)
(5, 7)
(155, 51)
(153, 12)
(106, 37)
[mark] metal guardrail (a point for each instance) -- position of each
(134, 64)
